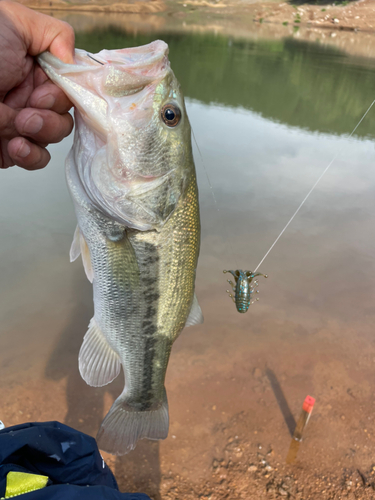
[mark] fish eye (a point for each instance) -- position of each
(171, 115)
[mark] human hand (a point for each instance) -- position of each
(33, 111)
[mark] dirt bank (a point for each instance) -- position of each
(350, 16)
(357, 15)
(141, 7)
(349, 27)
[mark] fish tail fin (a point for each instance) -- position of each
(124, 425)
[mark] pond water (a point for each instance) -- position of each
(268, 117)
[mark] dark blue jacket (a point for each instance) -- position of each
(69, 458)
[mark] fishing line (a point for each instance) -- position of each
(209, 183)
(205, 171)
(312, 189)
(94, 59)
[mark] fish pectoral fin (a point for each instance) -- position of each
(79, 247)
(75, 249)
(98, 363)
(124, 425)
(195, 316)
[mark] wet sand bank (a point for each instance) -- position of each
(350, 27)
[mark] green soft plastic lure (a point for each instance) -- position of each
(243, 288)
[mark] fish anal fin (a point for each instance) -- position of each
(98, 363)
(124, 425)
(195, 316)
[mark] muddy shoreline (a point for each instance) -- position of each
(349, 27)
(356, 15)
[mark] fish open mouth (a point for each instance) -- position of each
(123, 72)
(95, 79)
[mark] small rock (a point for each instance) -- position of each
(336, 21)
(222, 473)
(282, 492)
(252, 468)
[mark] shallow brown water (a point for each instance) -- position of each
(235, 384)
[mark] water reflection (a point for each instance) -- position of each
(295, 83)
(259, 179)
(255, 109)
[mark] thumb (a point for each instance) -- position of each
(41, 32)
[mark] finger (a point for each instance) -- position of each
(41, 32)
(43, 126)
(19, 96)
(27, 155)
(7, 122)
(5, 161)
(49, 96)
(39, 76)
(59, 39)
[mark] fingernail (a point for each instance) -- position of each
(23, 151)
(46, 101)
(33, 124)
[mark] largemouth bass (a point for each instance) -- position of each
(132, 178)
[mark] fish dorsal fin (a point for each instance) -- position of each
(79, 246)
(98, 363)
(195, 316)
(75, 249)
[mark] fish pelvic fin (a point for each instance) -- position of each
(86, 259)
(124, 425)
(79, 247)
(75, 249)
(98, 363)
(195, 316)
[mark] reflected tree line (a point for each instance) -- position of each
(296, 83)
